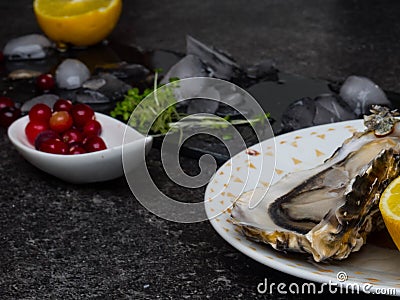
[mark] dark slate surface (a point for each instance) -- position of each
(64, 241)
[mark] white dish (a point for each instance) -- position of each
(373, 266)
(89, 167)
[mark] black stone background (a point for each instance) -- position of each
(65, 241)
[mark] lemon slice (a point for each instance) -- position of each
(389, 206)
(78, 22)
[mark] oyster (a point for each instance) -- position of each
(329, 210)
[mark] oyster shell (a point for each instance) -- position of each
(329, 210)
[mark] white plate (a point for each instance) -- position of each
(373, 267)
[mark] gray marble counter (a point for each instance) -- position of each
(65, 241)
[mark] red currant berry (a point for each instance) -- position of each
(44, 136)
(40, 112)
(60, 121)
(72, 136)
(45, 82)
(92, 127)
(62, 105)
(33, 129)
(54, 146)
(9, 115)
(77, 149)
(6, 102)
(94, 143)
(82, 113)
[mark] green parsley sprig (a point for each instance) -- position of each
(169, 118)
(160, 111)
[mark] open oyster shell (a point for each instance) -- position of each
(329, 210)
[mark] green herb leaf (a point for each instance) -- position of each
(169, 117)
(162, 98)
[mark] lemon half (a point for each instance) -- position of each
(78, 22)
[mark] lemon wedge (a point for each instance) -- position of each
(78, 22)
(389, 206)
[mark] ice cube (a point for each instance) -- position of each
(360, 93)
(299, 114)
(330, 108)
(94, 84)
(231, 94)
(48, 99)
(71, 74)
(91, 97)
(163, 60)
(103, 88)
(263, 70)
(219, 64)
(202, 106)
(189, 66)
(208, 104)
(32, 46)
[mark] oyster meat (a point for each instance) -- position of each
(327, 211)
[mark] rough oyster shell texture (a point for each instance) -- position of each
(329, 210)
